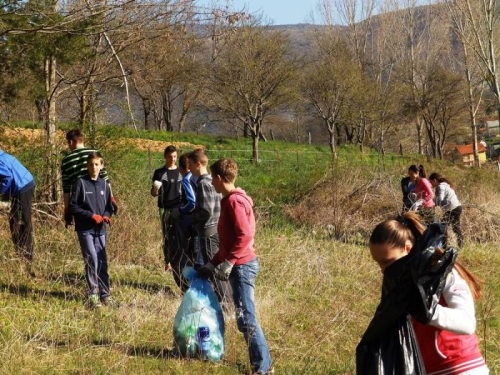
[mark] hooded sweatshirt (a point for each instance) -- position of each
(236, 229)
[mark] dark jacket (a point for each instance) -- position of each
(89, 198)
(207, 211)
(15, 179)
(407, 187)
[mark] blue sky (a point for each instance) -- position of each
(280, 11)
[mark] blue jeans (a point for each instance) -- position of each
(96, 264)
(242, 281)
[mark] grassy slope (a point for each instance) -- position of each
(314, 296)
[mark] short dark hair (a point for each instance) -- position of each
(198, 155)
(169, 150)
(227, 169)
(75, 135)
(183, 162)
(95, 155)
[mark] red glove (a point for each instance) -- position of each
(107, 220)
(97, 218)
(115, 206)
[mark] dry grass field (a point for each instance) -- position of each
(316, 293)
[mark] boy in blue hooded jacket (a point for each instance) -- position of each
(17, 184)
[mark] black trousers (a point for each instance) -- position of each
(184, 252)
(20, 224)
(453, 217)
(170, 237)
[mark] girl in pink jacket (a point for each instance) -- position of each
(423, 191)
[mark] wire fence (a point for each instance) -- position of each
(283, 160)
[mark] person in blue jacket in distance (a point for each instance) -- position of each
(17, 185)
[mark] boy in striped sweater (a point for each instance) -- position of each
(74, 166)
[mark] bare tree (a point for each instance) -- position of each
(250, 77)
(471, 69)
(329, 83)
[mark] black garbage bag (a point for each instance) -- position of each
(411, 285)
(395, 352)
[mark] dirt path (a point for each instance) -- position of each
(14, 138)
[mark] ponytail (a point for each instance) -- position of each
(472, 280)
(395, 232)
(437, 177)
(418, 169)
(421, 170)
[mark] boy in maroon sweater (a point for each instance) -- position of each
(237, 260)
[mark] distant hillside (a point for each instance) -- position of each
(300, 33)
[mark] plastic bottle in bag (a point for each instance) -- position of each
(199, 309)
(204, 341)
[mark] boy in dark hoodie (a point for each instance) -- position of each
(237, 260)
(91, 207)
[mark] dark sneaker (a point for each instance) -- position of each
(94, 301)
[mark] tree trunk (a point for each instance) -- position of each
(255, 147)
(382, 142)
(349, 134)
(338, 129)
(40, 108)
(420, 147)
(331, 135)
(245, 130)
(331, 143)
(167, 111)
(50, 115)
(470, 100)
(52, 172)
(146, 108)
(182, 120)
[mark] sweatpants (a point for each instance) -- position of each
(21, 227)
(205, 249)
(169, 237)
(96, 264)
